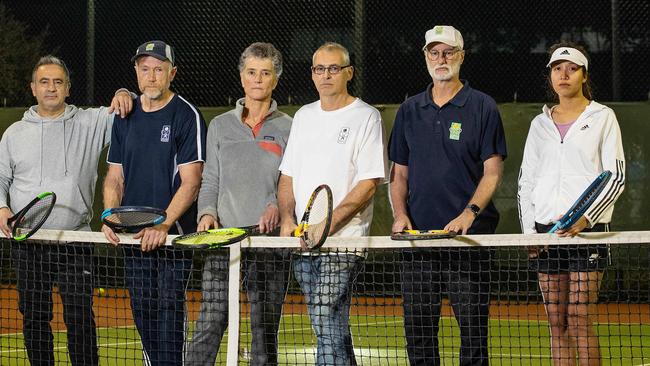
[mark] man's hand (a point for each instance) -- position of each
(575, 229)
(5, 215)
(152, 237)
(269, 219)
(110, 235)
(462, 222)
(122, 103)
(287, 227)
(400, 223)
(207, 222)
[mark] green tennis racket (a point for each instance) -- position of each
(214, 238)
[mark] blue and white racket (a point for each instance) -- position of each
(583, 203)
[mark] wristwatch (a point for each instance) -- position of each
(474, 208)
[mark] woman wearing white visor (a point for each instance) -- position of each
(568, 145)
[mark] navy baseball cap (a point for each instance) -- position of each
(157, 49)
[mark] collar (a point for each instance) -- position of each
(239, 107)
(458, 100)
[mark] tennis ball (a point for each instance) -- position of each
(101, 291)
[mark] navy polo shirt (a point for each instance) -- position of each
(150, 146)
(444, 149)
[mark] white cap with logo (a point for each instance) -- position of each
(569, 54)
(444, 34)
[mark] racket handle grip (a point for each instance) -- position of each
(299, 230)
(555, 227)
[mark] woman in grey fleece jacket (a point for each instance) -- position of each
(244, 150)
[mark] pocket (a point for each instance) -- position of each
(70, 211)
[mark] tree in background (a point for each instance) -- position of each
(18, 54)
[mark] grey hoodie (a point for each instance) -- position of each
(58, 155)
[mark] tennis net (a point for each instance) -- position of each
(490, 303)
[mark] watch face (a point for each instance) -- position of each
(474, 208)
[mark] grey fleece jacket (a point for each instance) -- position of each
(240, 175)
(58, 155)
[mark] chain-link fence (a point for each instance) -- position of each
(506, 43)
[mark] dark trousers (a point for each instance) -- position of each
(70, 266)
(267, 278)
(157, 281)
(465, 274)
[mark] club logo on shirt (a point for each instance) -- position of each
(455, 130)
(269, 138)
(165, 132)
(584, 127)
(343, 135)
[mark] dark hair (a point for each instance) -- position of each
(586, 86)
(51, 60)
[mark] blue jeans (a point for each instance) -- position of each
(326, 281)
(157, 281)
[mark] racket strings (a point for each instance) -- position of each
(318, 221)
(209, 238)
(132, 218)
(36, 214)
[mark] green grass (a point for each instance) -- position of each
(378, 340)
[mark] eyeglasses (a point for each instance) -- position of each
(448, 54)
(332, 69)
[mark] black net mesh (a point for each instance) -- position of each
(505, 43)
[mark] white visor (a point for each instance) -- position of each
(569, 54)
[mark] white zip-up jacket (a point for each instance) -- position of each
(555, 171)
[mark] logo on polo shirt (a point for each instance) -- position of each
(269, 138)
(343, 135)
(165, 132)
(455, 130)
(584, 127)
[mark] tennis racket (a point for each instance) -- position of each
(422, 235)
(214, 238)
(583, 203)
(317, 219)
(132, 219)
(28, 220)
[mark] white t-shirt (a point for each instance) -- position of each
(338, 148)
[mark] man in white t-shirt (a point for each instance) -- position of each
(339, 141)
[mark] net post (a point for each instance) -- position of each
(232, 355)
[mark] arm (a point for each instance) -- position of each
(153, 237)
(398, 196)
(526, 183)
(492, 174)
(6, 178)
(287, 205)
(113, 192)
(122, 102)
(208, 217)
(356, 200)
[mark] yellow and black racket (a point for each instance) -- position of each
(423, 235)
(214, 238)
(28, 220)
(317, 219)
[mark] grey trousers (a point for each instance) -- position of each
(266, 275)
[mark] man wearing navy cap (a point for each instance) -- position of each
(448, 147)
(155, 160)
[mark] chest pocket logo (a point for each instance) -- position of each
(165, 132)
(455, 130)
(343, 135)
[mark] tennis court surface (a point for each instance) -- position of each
(518, 325)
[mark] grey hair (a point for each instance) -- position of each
(51, 60)
(333, 46)
(264, 51)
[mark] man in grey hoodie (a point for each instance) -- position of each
(55, 147)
